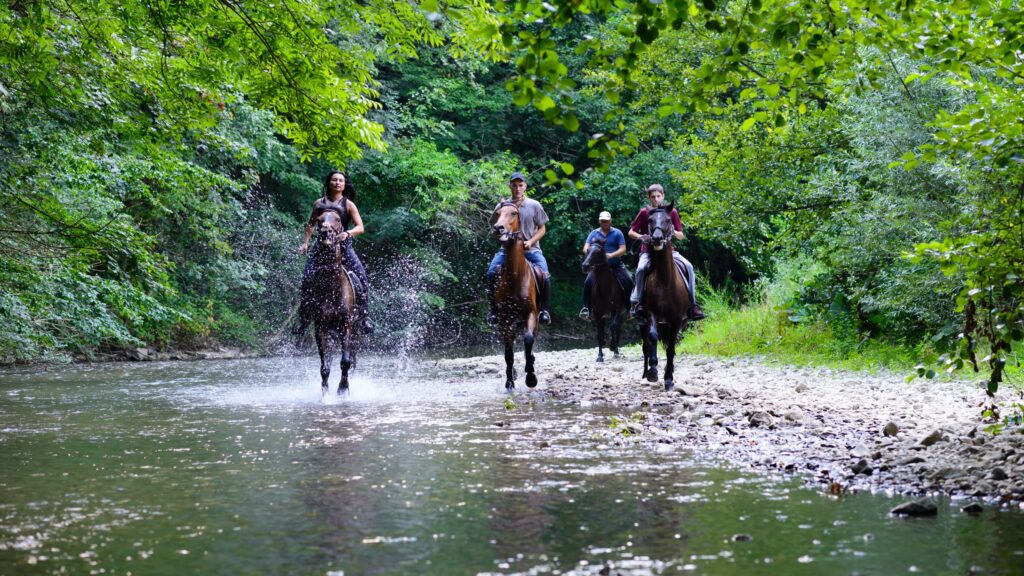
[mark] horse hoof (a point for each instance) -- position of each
(510, 384)
(652, 375)
(531, 380)
(342, 392)
(600, 357)
(669, 384)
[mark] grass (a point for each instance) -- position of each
(761, 330)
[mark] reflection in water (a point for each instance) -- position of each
(240, 467)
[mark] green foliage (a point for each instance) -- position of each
(768, 327)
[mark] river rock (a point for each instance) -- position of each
(801, 387)
(922, 507)
(890, 429)
(761, 419)
(998, 474)
(972, 508)
(931, 439)
(690, 390)
(742, 537)
(794, 415)
(862, 467)
(860, 451)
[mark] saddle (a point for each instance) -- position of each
(357, 286)
(539, 275)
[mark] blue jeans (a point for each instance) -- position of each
(532, 256)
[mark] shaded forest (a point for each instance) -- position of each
(858, 161)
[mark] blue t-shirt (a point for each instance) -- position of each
(612, 242)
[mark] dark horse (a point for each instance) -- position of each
(607, 297)
(666, 299)
(515, 294)
(333, 291)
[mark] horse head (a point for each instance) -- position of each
(506, 227)
(329, 226)
(659, 225)
(596, 256)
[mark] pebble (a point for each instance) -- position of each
(849, 417)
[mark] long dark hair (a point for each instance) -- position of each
(350, 190)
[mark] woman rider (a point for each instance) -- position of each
(335, 198)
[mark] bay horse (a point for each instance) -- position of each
(515, 294)
(334, 297)
(666, 298)
(608, 299)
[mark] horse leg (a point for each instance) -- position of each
(615, 328)
(652, 360)
(322, 346)
(531, 378)
(346, 361)
(599, 321)
(510, 371)
(646, 347)
(669, 338)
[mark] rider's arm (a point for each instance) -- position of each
(634, 228)
(356, 219)
(307, 232)
(541, 231)
(586, 247)
(678, 234)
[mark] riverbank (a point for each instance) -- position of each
(845, 431)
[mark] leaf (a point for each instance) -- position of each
(748, 124)
(544, 103)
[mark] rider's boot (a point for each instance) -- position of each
(696, 313)
(637, 311)
(545, 302)
(492, 314)
(363, 305)
(305, 315)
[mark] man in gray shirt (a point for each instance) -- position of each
(532, 221)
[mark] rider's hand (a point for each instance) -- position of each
(343, 236)
(526, 244)
(646, 238)
(303, 248)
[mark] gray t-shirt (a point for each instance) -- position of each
(531, 217)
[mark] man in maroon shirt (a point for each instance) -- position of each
(638, 230)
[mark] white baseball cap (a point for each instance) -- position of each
(604, 216)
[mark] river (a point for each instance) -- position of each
(239, 467)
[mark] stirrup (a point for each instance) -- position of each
(636, 311)
(544, 317)
(585, 314)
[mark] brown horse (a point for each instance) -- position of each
(608, 298)
(666, 299)
(335, 300)
(515, 294)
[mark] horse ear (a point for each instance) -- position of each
(670, 206)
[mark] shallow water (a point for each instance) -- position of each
(239, 467)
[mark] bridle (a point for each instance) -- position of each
(658, 242)
(518, 234)
(588, 264)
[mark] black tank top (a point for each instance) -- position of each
(323, 204)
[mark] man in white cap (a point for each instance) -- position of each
(532, 223)
(615, 247)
